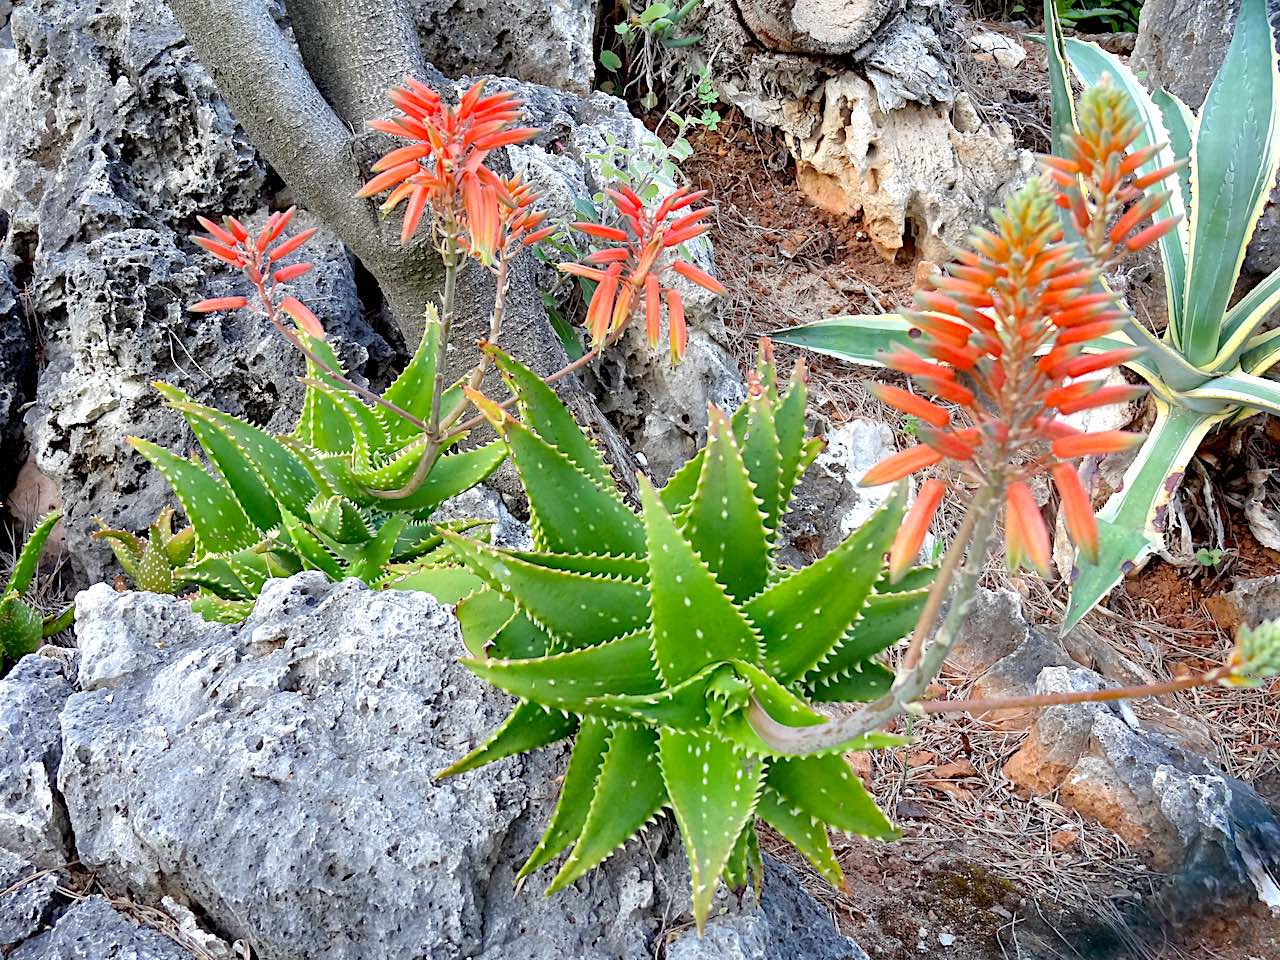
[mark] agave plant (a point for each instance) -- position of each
(21, 626)
(334, 495)
(656, 635)
(1209, 365)
(150, 562)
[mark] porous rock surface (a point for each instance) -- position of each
(867, 98)
(94, 930)
(276, 777)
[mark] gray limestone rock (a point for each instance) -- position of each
(33, 824)
(277, 777)
(28, 905)
(17, 368)
(94, 930)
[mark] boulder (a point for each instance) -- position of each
(1164, 797)
(28, 904)
(94, 930)
(113, 139)
(547, 42)
(277, 778)
(33, 824)
(867, 97)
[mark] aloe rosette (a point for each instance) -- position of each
(22, 627)
(1209, 366)
(656, 636)
(338, 494)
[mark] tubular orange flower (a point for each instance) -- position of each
(1001, 331)
(443, 166)
(636, 265)
(1022, 512)
(910, 536)
(236, 244)
(1077, 511)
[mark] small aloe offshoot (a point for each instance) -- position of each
(21, 625)
(150, 562)
(663, 637)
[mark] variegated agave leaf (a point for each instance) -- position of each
(652, 634)
(314, 499)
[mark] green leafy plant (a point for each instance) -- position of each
(21, 625)
(664, 637)
(1209, 366)
(151, 561)
(644, 33)
(1210, 558)
(1097, 16)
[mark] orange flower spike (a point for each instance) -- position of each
(901, 464)
(215, 304)
(1022, 511)
(904, 361)
(600, 310)
(950, 445)
(910, 403)
(698, 276)
(1095, 444)
(910, 536)
(679, 332)
(652, 309)
(302, 315)
(1077, 510)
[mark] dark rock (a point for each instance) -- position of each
(93, 930)
(17, 371)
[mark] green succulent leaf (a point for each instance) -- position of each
(576, 792)
(528, 727)
(827, 788)
(24, 568)
(803, 831)
(713, 786)
(628, 793)
(412, 390)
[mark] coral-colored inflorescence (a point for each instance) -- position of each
(1002, 335)
(253, 255)
(628, 274)
(443, 166)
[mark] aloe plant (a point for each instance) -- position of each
(1209, 365)
(21, 625)
(340, 493)
(150, 562)
(655, 635)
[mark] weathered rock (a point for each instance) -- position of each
(1181, 44)
(33, 824)
(17, 367)
(113, 139)
(866, 96)
(547, 42)
(277, 777)
(28, 904)
(828, 504)
(1250, 602)
(1166, 800)
(993, 629)
(93, 930)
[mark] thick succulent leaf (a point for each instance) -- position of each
(799, 828)
(886, 619)
(1132, 521)
(694, 621)
(576, 792)
(1234, 160)
(865, 682)
(232, 576)
(396, 471)
(20, 628)
(220, 522)
(522, 639)
(322, 423)
(340, 520)
(568, 681)
(153, 572)
(723, 522)
(1180, 124)
(796, 452)
(803, 617)
(24, 568)
(745, 867)
(450, 475)
(755, 428)
(1243, 321)
(1262, 354)
(373, 556)
(481, 616)
(570, 511)
(1091, 64)
(1063, 105)
(856, 338)
(827, 788)
(632, 568)
(679, 490)
(526, 728)
(713, 786)
(682, 707)
(628, 793)
(776, 700)
(217, 609)
(547, 415)
(313, 554)
(582, 609)
(412, 390)
(1255, 393)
